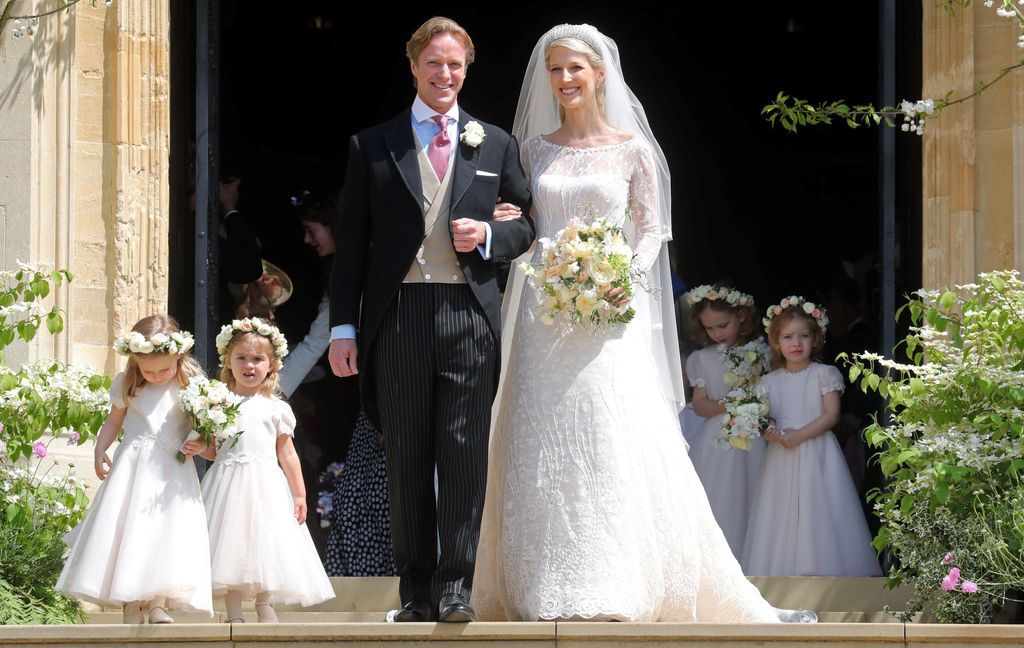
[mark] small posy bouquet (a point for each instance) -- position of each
(745, 418)
(746, 408)
(745, 363)
(578, 270)
(213, 409)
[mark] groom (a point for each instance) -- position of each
(415, 268)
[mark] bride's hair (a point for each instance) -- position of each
(579, 46)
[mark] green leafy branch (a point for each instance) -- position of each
(792, 113)
(8, 14)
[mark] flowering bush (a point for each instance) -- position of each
(329, 481)
(954, 448)
(39, 404)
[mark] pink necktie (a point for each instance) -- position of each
(440, 147)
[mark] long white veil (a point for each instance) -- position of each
(538, 114)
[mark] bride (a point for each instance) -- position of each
(593, 509)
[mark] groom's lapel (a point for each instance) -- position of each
(466, 160)
(402, 144)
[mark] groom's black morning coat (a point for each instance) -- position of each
(380, 227)
(428, 353)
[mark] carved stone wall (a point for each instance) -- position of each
(973, 197)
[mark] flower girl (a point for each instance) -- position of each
(256, 511)
(806, 519)
(731, 366)
(143, 543)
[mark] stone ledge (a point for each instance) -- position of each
(513, 635)
(457, 632)
(933, 633)
(799, 632)
(107, 634)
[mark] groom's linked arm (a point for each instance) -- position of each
(511, 238)
(351, 242)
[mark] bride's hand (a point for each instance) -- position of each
(506, 211)
(618, 297)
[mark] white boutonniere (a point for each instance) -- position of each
(472, 134)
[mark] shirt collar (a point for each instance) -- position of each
(421, 112)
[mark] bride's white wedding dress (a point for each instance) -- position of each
(593, 508)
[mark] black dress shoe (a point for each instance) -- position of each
(453, 608)
(415, 611)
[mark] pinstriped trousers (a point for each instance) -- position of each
(434, 362)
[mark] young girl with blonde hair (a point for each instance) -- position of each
(143, 543)
(254, 494)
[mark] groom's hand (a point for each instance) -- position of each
(468, 234)
(342, 357)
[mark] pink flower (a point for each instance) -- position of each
(816, 313)
(75, 436)
(39, 449)
(969, 587)
(950, 580)
(948, 558)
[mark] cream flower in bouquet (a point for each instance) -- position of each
(745, 418)
(745, 363)
(213, 409)
(578, 271)
(746, 409)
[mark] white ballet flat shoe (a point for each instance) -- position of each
(158, 614)
(798, 616)
(265, 613)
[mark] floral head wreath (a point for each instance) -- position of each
(251, 325)
(812, 309)
(731, 296)
(134, 342)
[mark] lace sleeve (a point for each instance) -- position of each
(829, 379)
(643, 206)
(524, 156)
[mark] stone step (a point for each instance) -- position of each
(854, 598)
(513, 635)
(287, 616)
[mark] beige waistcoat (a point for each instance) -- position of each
(436, 261)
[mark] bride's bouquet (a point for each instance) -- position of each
(745, 418)
(746, 407)
(213, 409)
(579, 268)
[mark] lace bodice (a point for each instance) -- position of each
(597, 182)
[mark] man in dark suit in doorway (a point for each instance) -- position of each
(416, 268)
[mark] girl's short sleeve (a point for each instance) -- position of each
(829, 379)
(695, 371)
(284, 419)
(117, 391)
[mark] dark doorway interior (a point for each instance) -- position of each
(775, 212)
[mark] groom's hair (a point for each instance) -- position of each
(433, 27)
